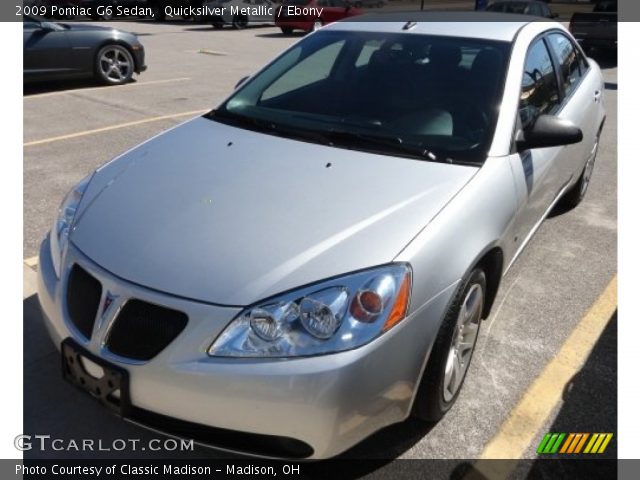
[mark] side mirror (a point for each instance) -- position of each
(548, 131)
(241, 81)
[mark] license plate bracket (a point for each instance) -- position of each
(111, 389)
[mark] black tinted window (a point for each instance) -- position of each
(569, 61)
(539, 86)
(545, 11)
(534, 9)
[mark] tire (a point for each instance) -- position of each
(441, 381)
(576, 194)
(217, 25)
(240, 22)
(287, 30)
(114, 65)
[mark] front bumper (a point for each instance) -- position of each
(328, 402)
(138, 58)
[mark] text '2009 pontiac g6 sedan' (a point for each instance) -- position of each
(311, 261)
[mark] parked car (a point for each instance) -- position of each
(239, 13)
(524, 7)
(311, 261)
(310, 15)
(599, 28)
(59, 51)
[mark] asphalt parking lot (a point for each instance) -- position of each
(72, 128)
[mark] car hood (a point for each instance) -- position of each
(229, 216)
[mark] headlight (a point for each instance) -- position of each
(332, 316)
(64, 221)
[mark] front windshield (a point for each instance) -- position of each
(415, 95)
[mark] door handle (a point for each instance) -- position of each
(597, 95)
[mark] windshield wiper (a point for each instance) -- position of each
(267, 126)
(331, 137)
(389, 143)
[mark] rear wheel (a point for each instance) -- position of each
(452, 351)
(114, 65)
(218, 24)
(577, 193)
(240, 22)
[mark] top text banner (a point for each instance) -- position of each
(73, 10)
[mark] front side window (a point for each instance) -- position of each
(433, 98)
(569, 61)
(539, 93)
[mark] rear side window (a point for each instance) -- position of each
(569, 60)
(540, 94)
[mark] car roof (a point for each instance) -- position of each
(485, 25)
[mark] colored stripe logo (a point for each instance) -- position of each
(573, 443)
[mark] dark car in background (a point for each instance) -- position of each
(310, 15)
(534, 8)
(597, 29)
(60, 51)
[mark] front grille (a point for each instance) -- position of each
(142, 330)
(83, 299)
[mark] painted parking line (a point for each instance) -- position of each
(31, 262)
(522, 427)
(206, 51)
(84, 133)
(106, 88)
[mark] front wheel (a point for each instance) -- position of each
(452, 351)
(114, 65)
(287, 30)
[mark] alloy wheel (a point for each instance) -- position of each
(115, 64)
(463, 341)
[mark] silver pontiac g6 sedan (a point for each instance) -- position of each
(311, 261)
